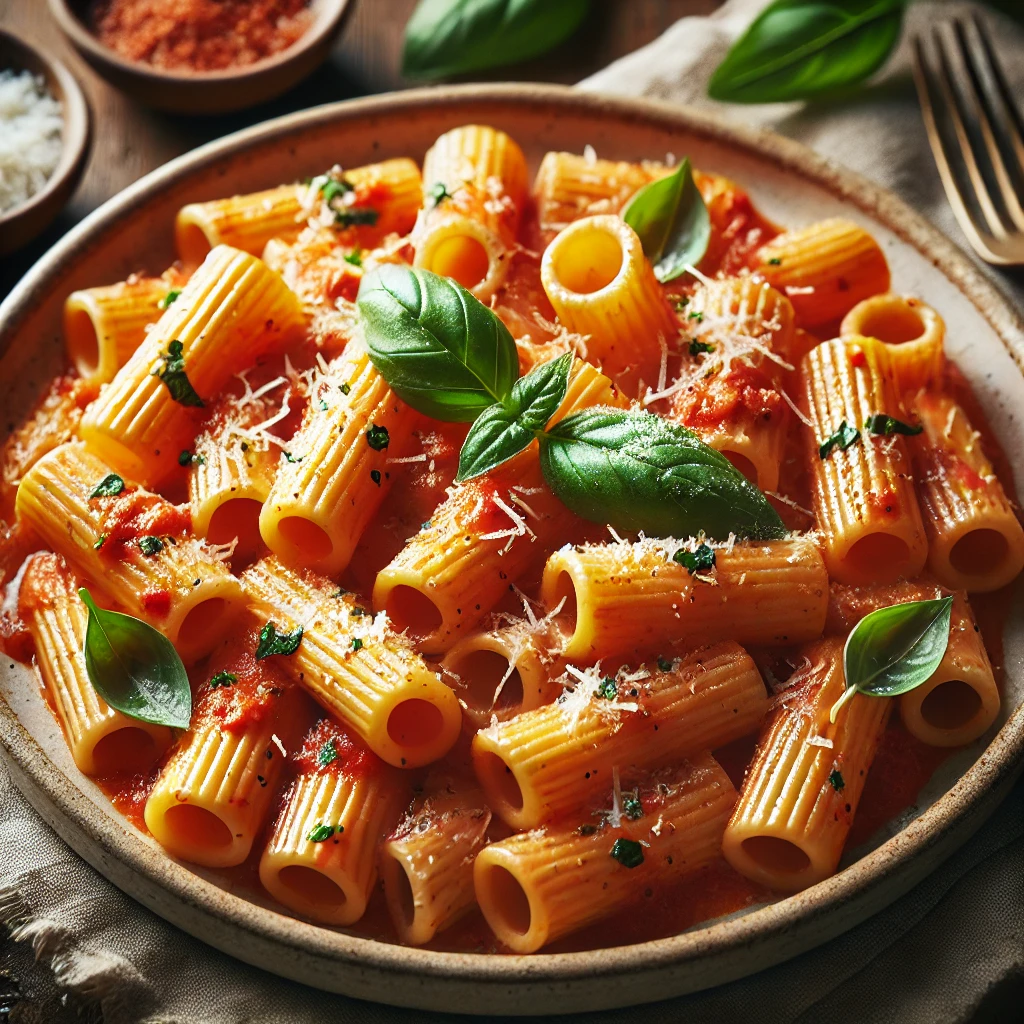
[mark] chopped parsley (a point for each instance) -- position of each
(378, 438)
(886, 426)
(332, 186)
(665, 665)
(697, 346)
(172, 373)
(352, 216)
(355, 257)
(836, 780)
(841, 439)
(100, 541)
(150, 545)
(223, 679)
(321, 833)
(288, 457)
(323, 405)
(775, 261)
(375, 476)
(700, 560)
(696, 315)
(631, 806)
(169, 298)
(272, 641)
(327, 753)
(628, 852)
(345, 388)
(681, 303)
(357, 644)
(110, 485)
(186, 458)
(608, 688)
(437, 194)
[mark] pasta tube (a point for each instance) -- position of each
(975, 541)
(427, 862)
(321, 860)
(824, 269)
(537, 886)
(801, 791)
(474, 191)
(913, 334)
(554, 759)
(214, 794)
(357, 666)
(102, 741)
(485, 535)
(340, 467)
(392, 189)
(861, 483)
(601, 285)
(233, 310)
(635, 599)
(132, 544)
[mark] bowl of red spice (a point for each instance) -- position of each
(202, 56)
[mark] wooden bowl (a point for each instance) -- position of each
(21, 224)
(788, 183)
(206, 92)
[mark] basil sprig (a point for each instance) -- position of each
(451, 37)
(800, 49)
(172, 372)
(894, 650)
(637, 471)
(672, 221)
(442, 350)
(508, 427)
(135, 668)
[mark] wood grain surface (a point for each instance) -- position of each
(129, 139)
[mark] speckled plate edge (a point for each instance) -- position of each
(553, 983)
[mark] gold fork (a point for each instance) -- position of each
(975, 132)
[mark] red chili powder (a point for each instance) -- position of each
(200, 35)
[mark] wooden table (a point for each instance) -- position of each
(129, 140)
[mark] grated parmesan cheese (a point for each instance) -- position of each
(31, 130)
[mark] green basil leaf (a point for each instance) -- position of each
(702, 559)
(895, 649)
(223, 678)
(274, 641)
(672, 222)
(452, 37)
(135, 668)
(637, 471)
(440, 348)
(169, 298)
(108, 487)
(508, 427)
(844, 436)
(799, 49)
(172, 373)
(327, 753)
(628, 852)
(886, 426)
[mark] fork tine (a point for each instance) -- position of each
(1012, 119)
(982, 101)
(957, 116)
(922, 77)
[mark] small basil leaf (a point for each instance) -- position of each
(672, 222)
(507, 428)
(799, 49)
(700, 560)
(135, 668)
(886, 426)
(637, 471)
(451, 37)
(895, 649)
(327, 753)
(843, 437)
(172, 373)
(108, 487)
(274, 641)
(628, 852)
(440, 348)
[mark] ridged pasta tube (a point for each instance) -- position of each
(801, 791)
(426, 864)
(233, 310)
(392, 188)
(913, 334)
(863, 493)
(357, 666)
(340, 468)
(635, 600)
(321, 860)
(102, 741)
(474, 191)
(555, 759)
(182, 588)
(538, 886)
(601, 285)
(975, 541)
(824, 269)
(214, 794)
(482, 537)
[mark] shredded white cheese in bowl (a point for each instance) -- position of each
(31, 130)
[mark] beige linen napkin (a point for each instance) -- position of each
(931, 957)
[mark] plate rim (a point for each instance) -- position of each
(977, 791)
